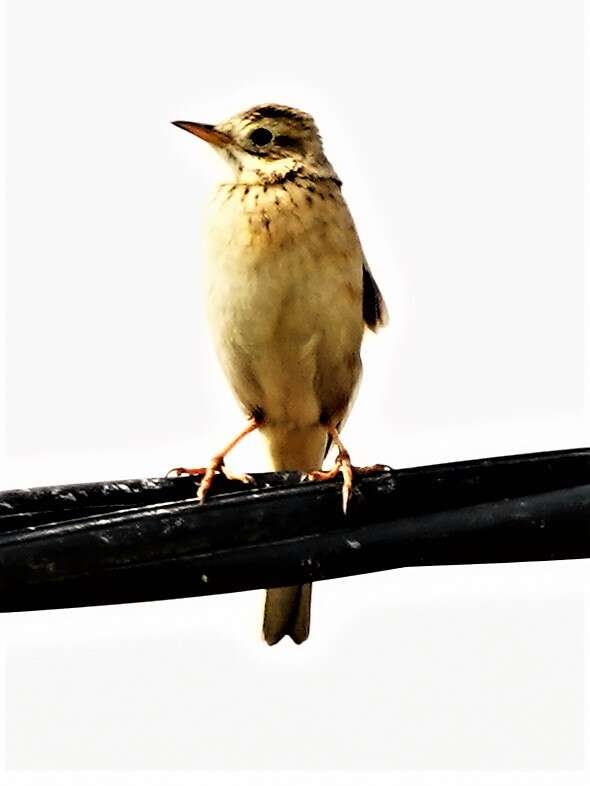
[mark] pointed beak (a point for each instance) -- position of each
(204, 131)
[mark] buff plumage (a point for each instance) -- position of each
(288, 294)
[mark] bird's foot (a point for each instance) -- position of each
(343, 466)
(216, 465)
(370, 469)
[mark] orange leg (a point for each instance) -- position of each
(342, 465)
(217, 464)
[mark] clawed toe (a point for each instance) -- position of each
(370, 469)
(342, 467)
(179, 471)
(208, 474)
(320, 474)
(346, 470)
(217, 464)
(243, 477)
(207, 481)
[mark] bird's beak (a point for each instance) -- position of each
(204, 131)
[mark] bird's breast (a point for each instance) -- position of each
(283, 291)
(273, 218)
(281, 236)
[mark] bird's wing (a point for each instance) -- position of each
(375, 316)
(374, 309)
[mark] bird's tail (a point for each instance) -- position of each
(287, 609)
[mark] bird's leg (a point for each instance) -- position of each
(342, 465)
(217, 464)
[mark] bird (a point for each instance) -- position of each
(289, 295)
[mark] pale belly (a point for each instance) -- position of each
(285, 308)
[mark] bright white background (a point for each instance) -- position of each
(457, 130)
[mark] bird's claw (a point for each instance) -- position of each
(321, 474)
(243, 477)
(371, 468)
(217, 465)
(341, 466)
(179, 471)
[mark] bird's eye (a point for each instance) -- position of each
(261, 136)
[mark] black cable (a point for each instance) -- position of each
(149, 539)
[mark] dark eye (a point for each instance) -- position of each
(261, 136)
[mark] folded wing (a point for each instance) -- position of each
(374, 309)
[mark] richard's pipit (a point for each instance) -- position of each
(288, 293)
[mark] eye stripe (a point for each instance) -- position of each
(287, 141)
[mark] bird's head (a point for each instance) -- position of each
(266, 142)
